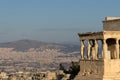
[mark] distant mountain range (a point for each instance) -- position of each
(24, 45)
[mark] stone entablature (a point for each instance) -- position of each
(111, 24)
(91, 35)
(111, 18)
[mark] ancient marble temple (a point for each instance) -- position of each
(100, 52)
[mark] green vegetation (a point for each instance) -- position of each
(73, 69)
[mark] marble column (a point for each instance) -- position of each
(82, 49)
(117, 49)
(96, 49)
(102, 54)
(105, 51)
(89, 48)
(93, 49)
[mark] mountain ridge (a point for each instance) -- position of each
(25, 44)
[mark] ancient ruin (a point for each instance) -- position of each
(100, 52)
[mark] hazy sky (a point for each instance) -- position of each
(53, 20)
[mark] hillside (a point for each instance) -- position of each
(31, 55)
(25, 45)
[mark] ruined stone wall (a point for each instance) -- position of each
(111, 25)
(91, 70)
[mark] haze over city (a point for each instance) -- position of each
(52, 20)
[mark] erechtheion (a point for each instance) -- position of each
(100, 52)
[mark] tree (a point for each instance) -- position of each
(73, 69)
(61, 67)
